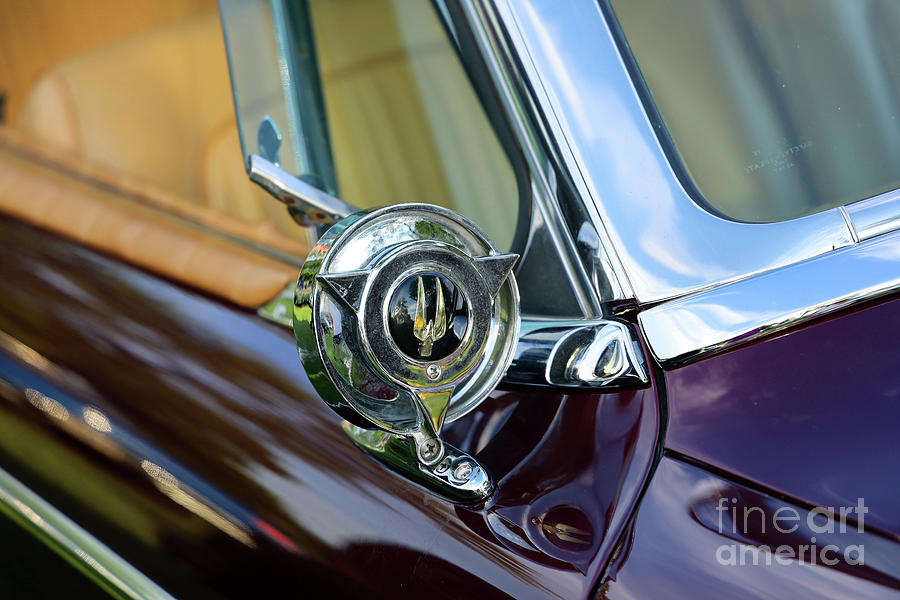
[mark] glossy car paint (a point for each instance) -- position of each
(811, 413)
(671, 549)
(802, 420)
(184, 435)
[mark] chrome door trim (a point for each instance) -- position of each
(668, 244)
(685, 329)
(90, 556)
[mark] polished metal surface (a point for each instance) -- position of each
(457, 476)
(110, 571)
(875, 216)
(592, 287)
(308, 205)
(606, 348)
(587, 354)
(668, 244)
(685, 329)
(387, 355)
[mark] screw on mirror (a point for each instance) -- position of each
(430, 451)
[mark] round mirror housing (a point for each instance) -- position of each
(406, 317)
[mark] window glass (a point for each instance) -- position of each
(373, 105)
(776, 109)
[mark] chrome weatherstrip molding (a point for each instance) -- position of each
(64, 536)
(668, 244)
(688, 328)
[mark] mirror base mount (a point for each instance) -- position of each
(455, 476)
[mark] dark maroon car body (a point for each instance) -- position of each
(202, 455)
(214, 396)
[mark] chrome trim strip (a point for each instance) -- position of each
(77, 546)
(668, 244)
(876, 215)
(483, 24)
(605, 263)
(688, 328)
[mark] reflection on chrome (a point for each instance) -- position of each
(78, 546)
(592, 354)
(874, 216)
(96, 419)
(688, 328)
(169, 485)
(46, 405)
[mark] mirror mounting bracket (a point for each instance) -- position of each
(308, 205)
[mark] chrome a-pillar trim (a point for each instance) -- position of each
(686, 329)
(106, 568)
(595, 276)
(668, 244)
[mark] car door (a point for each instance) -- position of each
(774, 290)
(160, 432)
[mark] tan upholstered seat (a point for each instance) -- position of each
(156, 107)
(132, 149)
(119, 218)
(151, 117)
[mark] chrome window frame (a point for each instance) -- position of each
(579, 261)
(627, 232)
(658, 243)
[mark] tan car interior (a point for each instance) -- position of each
(404, 121)
(119, 131)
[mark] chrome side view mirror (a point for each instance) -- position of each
(407, 317)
